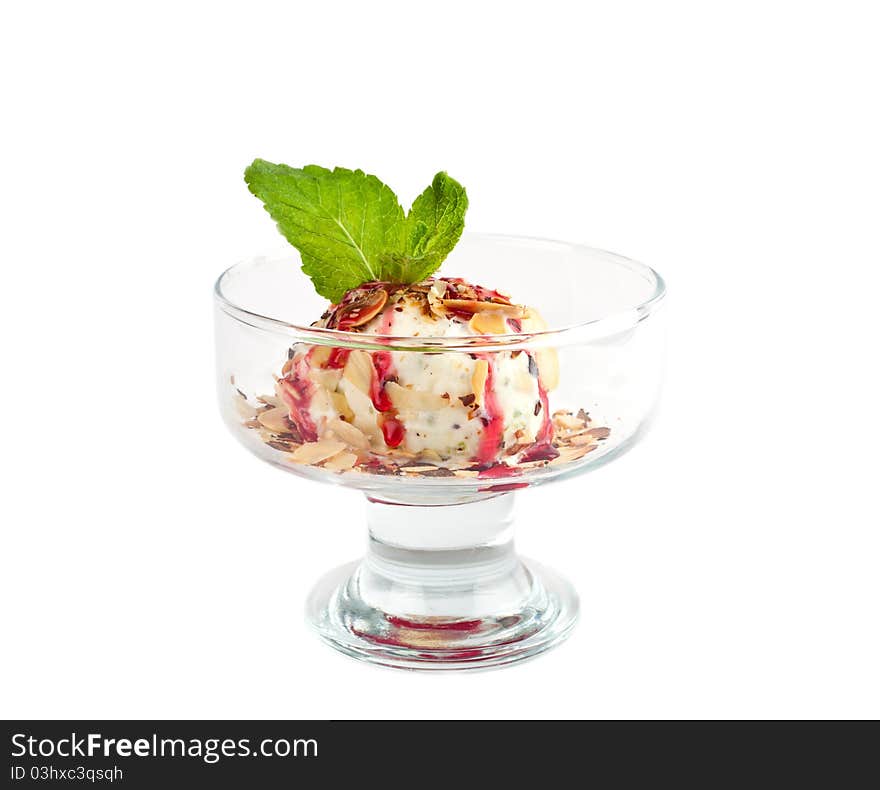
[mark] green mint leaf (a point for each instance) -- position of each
(349, 227)
(341, 221)
(433, 227)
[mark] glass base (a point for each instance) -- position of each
(434, 606)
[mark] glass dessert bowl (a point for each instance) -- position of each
(439, 400)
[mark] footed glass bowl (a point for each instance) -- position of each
(441, 586)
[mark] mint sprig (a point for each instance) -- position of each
(349, 227)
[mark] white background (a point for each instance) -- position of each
(727, 566)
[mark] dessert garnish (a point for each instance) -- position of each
(444, 413)
(350, 228)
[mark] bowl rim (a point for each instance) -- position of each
(611, 324)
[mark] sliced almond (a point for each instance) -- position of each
(435, 298)
(478, 379)
(321, 405)
(340, 462)
(436, 307)
(271, 400)
(348, 433)
(266, 435)
(359, 370)
(600, 433)
(396, 452)
(278, 398)
(488, 323)
(274, 419)
(315, 452)
(244, 409)
(405, 399)
(532, 321)
(476, 306)
(340, 405)
(567, 421)
(362, 309)
(548, 367)
(325, 379)
(573, 453)
(318, 356)
(364, 415)
(438, 288)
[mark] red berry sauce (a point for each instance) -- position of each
(296, 392)
(492, 416)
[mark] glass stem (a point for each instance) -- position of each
(451, 561)
(442, 587)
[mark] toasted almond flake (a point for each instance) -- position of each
(319, 355)
(361, 310)
(417, 469)
(476, 306)
(548, 367)
(582, 438)
(359, 370)
(532, 321)
(348, 433)
(600, 433)
(438, 288)
(405, 399)
(315, 452)
(364, 415)
(478, 379)
(274, 419)
(325, 379)
(567, 421)
(271, 400)
(573, 453)
(284, 445)
(340, 462)
(321, 403)
(244, 409)
(287, 367)
(436, 309)
(488, 323)
(266, 435)
(465, 473)
(435, 304)
(340, 405)
(396, 452)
